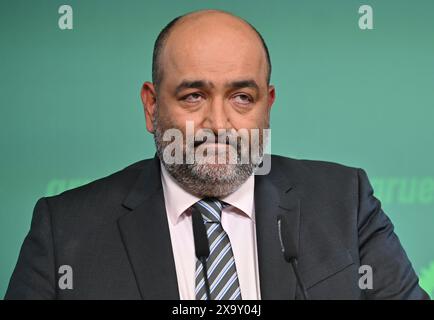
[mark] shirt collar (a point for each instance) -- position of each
(181, 200)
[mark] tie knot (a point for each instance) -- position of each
(210, 208)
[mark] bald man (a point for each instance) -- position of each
(208, 218)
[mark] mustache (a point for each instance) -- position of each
(225, 139)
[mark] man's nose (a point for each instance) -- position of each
(216, 116)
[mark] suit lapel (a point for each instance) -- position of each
(145, 234)
(273, 197)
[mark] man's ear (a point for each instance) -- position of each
(271, 96)
(149, 100)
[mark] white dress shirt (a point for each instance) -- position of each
(238, 220)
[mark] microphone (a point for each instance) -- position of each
(289, 251)
(201, 246)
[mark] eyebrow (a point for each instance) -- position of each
(203, 84)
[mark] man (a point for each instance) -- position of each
(130, 235)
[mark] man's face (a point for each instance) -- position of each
(214, 74)
(215, 84)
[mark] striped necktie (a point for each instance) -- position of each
(222, 273)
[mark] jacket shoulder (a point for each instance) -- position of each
(109, 189)
(312, 168)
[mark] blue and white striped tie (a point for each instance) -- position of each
(222, 272)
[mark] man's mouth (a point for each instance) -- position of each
(214, 142)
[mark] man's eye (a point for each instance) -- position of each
(192, 97)
(243, 99)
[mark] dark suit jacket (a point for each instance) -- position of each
(114, 234)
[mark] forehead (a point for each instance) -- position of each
(215, 50)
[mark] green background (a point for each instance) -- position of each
(70, 110)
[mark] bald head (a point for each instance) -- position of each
(210, 69)
(199, 35)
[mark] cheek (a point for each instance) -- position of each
(254, 119)
(170, 115)
(179, 120)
